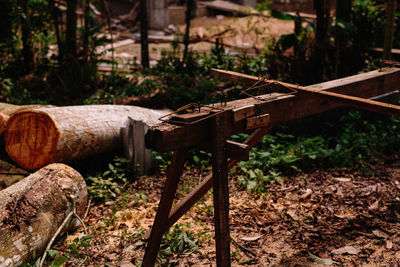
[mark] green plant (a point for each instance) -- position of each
(353, 139)
(107, 185)
(177, 241)
(58, 260)
(162, 161)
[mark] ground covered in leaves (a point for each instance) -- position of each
(311, 219)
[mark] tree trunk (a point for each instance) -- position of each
(35, 138)
(389, 30)
(322, 8)
(86, 35)
(27, 49)
(32, 210)
(70, 36)
(54, 15)
(7, 109)
(343, 12)
(143, 34)
(190, 7)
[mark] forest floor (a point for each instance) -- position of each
(324, 217)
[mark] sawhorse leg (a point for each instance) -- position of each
(221, 193)
(160, 225)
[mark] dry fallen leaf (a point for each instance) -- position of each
(251, 238)
(306, 194)
(389, 244)
(342, 179)
(346, 250)
(326, 262)
(380, 234)
(374, 206)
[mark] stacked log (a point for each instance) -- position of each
(35, 138)
(7, 109)
(33, 209)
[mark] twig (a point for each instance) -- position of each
(54, 237)
(80, 220)
(87, 209)
(72, 213)
(245, 250)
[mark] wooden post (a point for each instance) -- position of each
(160, 223)
(391, 12)
(132, 136)
(221, 191)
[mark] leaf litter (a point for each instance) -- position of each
(348, 222)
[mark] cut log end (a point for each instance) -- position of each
(31, 138)
(3, 122)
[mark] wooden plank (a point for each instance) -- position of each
(160, 223)
(221, 191)
(347, 100)
(257, 122)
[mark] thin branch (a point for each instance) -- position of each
(72, 213)
(245, 250)
(55, 236)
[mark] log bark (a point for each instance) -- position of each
(35, 138)
(32, 210)
(7, 109)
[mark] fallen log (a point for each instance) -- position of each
(7, 109)
(32, 210)
(35, 138)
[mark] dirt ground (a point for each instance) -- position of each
(312, 219)
(244, 33)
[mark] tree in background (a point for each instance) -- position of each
(143, 33)
(190, 13)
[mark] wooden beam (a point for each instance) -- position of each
(338, 98)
